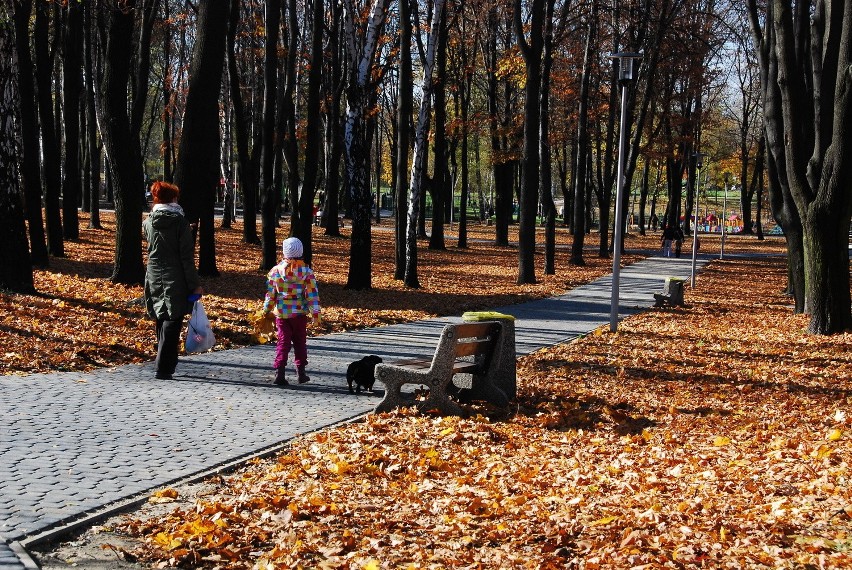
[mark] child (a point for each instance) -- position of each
(291, 294)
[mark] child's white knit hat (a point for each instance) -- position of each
(292, 248)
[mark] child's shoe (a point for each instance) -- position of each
(303, 378)
(280, 377)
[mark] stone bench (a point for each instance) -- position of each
(474, 349)
(672, 294)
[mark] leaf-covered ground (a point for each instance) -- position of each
(713, 436)
(81, 321)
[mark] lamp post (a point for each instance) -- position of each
(625, 76)
(698, 163)
(724, 217)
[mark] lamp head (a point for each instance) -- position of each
(625, 64)
(699, 159)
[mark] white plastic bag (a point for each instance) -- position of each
(199, 334)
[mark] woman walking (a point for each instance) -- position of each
(170, 277)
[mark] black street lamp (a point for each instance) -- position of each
(625, 76)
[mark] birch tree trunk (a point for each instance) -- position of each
(405, 107)
(421, 136)
(355, 140)
(226, 155)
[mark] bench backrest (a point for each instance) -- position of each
(477, 340)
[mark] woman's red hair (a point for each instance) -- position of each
(163, 192)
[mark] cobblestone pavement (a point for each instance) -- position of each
(8, 559)
(75, 444)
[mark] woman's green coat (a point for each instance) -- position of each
(170, 275)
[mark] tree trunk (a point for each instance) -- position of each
(532, 53)
(313, 132)
(86, 197)
(16, 272)
(377, 149)
(270, 195)
(421, 135)
(606, 170)
(356, 145)
(502, 165)
(582, 149)
(760, 168)
(441, 184)
(94, 146)
(464, 103)
(197, 172)
(226, 154)
(125, 162)
(30, 168)
(49, 138)
(643, 197)
(333, 144)
(504, 181)
(247, 180)
(826, 241)
(780, 198)
(817, 151)
(405, 107)
(72, 83)
(168, 104)
(287, 118)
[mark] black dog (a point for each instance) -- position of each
(362, 373)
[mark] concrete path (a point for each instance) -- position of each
(76, 446)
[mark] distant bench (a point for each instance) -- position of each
(466, 348)
(672, 294)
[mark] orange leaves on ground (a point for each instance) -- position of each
(166, 495)
(708, 436)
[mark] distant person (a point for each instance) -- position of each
(678, 239)
(654, 222)
(170, 277)
(291, 295)
(666, 240)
